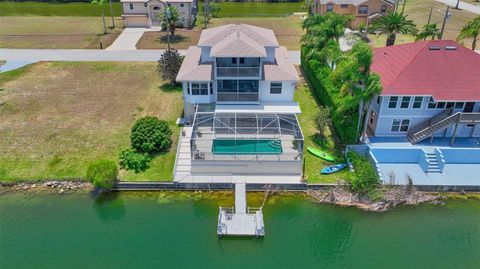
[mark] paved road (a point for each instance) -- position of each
(463, 5)
(19, 57)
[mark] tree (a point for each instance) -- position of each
(309, 5)
(168, 18)
(214, 9)
(323, 120)
(169, 65)
(471, 30)
(111, 14)
(150, 135)
(428, 31)
(102, 174)
(391, 25)
(101, 3)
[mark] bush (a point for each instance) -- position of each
(365, 178)
(318, 75)
(102, 174)
(133, 160)
(151, 135)
(169, 64)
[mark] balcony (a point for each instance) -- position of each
(237, 97)
(238, 72)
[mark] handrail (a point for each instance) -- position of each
(179, 142)
(470, 117)
(429, 122)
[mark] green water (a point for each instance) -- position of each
(148, 230)
(229, 146)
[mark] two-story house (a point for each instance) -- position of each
(363, 11)
(238, 87)
(425, 124)
(143, 13)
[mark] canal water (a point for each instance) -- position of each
(160, 230)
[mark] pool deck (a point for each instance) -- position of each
(453, 174)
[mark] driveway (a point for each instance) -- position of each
(17, 58)
(463, 5)
(129, 37)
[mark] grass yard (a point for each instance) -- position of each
(257, 9)
(309, 106)
(56, 32)
(419, 10)
(56, 9)
(288, 31)
(57, 117)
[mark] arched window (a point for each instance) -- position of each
(383, 9)
(329, 7)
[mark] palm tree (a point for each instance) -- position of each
(309, 5)
(393, 24)
(101, 3)
(111, 14)
(471, 30)
(169, 18)
(429, 31)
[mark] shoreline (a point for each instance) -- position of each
(391, 197)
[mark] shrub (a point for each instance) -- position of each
(323, 120)
(102, 174)
(169, 65)
(133, 160)
(365, 178)
(150, 135)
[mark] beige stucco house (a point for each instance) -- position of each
(364, 11)
(143, 13)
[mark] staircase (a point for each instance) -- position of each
(183, 162)
(432, 160)
(431, 126)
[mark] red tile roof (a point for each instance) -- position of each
(415, 69)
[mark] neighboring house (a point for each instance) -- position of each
(143, 13)
(238, 88)
(363, 11)
(425, 125)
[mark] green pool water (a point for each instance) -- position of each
(152, 230)
(246, 147)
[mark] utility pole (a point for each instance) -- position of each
(444, 21)
(430, 16)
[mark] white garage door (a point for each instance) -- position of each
(136, 21)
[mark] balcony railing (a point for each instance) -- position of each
(238, 71)
(237, 97)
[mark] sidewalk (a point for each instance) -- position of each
(463, 5)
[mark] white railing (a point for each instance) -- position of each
(179, 142)
(238, 71)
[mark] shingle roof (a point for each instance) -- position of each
(238, 44)
(351, 2)
(282, 70)
(416, 69)
(262, 36)
(192, 69)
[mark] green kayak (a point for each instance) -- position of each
(321, 154)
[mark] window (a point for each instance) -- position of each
(392, 103)
(441, 105)
(431, 103)
(131, 6)
(400, 125)
(363, 10)
(379, 99)
(199, 88)
(144, 4)
(383, 9)
(234, 60)
(405, 102)
(450, 104)
(459, 105)
(417, 102)
(242, 60)
(182, 5)
(329, 7)
(211, 88)
(343, 6)
(276, 88)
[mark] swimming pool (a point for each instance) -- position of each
(247, 147)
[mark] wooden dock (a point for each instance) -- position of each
(240, 220)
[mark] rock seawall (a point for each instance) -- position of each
(48, 186)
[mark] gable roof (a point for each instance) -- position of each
(417, 69)
(192, 69)
(261, 36)
(352, 2)
(282, 70)
(237, 44)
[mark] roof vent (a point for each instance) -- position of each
(433, 48)
(450, 48)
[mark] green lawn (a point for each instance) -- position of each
(257, 9)
(56, 9)
(309, 106)
(57, 117)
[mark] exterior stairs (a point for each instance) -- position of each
(431, 126)
(183, 161)
(433, 165)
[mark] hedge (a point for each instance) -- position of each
(318, 76)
